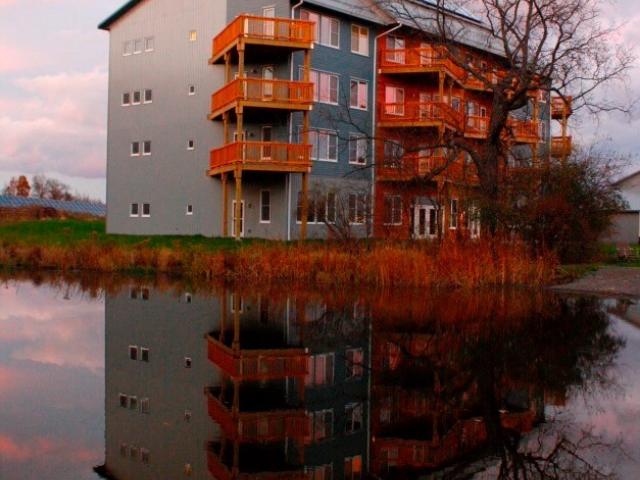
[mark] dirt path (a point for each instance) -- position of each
(618, 281)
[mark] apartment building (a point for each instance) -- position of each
(300, 119)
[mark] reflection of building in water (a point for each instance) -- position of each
(292, 402)
(156, 369)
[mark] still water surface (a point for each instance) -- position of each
(158, 381)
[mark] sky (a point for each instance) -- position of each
(53, 90)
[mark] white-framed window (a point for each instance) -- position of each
(148, 96)
(192, 90)
(355, 363)
(144, 456)
(394, 100)
(320, 369)
(265, 206)
(322, 208)
(144, 355)
(353, 417)
(193, 35)
(325, 86)
(395, 52)
(353, 468)
(321, 422)
(358, 146)
(188, 362)
(327, 28)
(124, 450)
(134, 451)
(135, 149)
(324, 145)
(357, 208)
(137, 97)
(453, 214)
(126, 99)
(359, 94)
(360, 40)
(189, 210)
(133, 403)
(393, 210)
(137, 46)
(146, 212)
(149, 44)
(191, 145)
(127, 48)
(134, 210)
(146, 148)
(188, 298)
(133, 352)
(144, 405)
(123, 400)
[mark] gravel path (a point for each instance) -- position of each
(618, 281)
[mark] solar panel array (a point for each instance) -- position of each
(86, 208)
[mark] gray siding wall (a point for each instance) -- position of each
(625, 229)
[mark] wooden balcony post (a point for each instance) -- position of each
(441, 86)
(305, 141)
(227, 67)
(225, 313)
(225, 206)
(536, 117)
(225, 123)
(241, 60)
(237, 227)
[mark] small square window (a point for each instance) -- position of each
(137, 97)
(124, 400)
(187, 362)
(134, 212)
(188, 298)
(146, 212)
(148, 96)
(193, 35)
(134, 451)
(149, 44)
(144, 405)
(144, 456)
(145, 291)
(127, 49)
(188, 415)
(191, 145)
(126, 99)
(192, 90)
(189, 210)
(133, 352)
(124, 450)
(144, 354)
(133, 403)
(135, 149)
(146, 147)
(137, 46)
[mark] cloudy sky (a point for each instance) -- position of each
(53, 90)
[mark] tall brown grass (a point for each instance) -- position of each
(381, 264)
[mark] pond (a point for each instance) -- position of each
(153, 379)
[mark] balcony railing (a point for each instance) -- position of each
(561, 146)
(268, 156)
(267, 30)
(265, 93)
(472, 82)
(524, 131)
(561, 107)
(421, 113)
(420, 165)
(408, 60)
(221, 471)
(476, 126)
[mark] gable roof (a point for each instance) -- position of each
(627, 177)
(118, 14)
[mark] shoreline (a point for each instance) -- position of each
(611, 281)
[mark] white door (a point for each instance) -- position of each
(267, 84)
(269, 25)
(426, 54)
(233, 217)
(425, 222)
(395, 50)
(267, 138)
(394, 100)
(425, 105)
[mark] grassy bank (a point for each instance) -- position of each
(71, 245)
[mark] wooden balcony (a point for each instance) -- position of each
(263, 31)
(561, 108)
(561, 147)
(258, 427)
(221, 468)
(419, 60)
(261, 157)
(262, 93)
(420, 166)
(523, 131)
(257, 364)
(476, 127)
(471, 82)
(420, 114)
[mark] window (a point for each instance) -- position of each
(240, 306)
(144, 405)
(322, 208)
(353, 468)
(357, 208)
(393, 154)
(188, 298)
(137, 46)
(146, 147)
(325, 86)
(193, 36)
(144, 354)
(327, 28)
(320, 472)
(355, 363)
(360, 40)
(394, 101)
(332, 207)
(188, 362)
(134, 211)
(149, 44)
(145, 291)
(135, 149)
(188, 414)
(189, 210)
(137, 97)
(148, 96)
(353, 418)
(133, 452)
(124, 450)
(124, 400)
(192, 90)
(144, 456)
(358, 149)
(127, 49)
(126, 99)
(359, 94)
(395, 51)
(146, 212)
(320, 371)
(393, 210)
(133, 403)
(265, 206)
(133, 352)
(453, 214)
(191, 145)
(321, 423)
(324, 145)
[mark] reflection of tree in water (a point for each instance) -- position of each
(484, 367)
